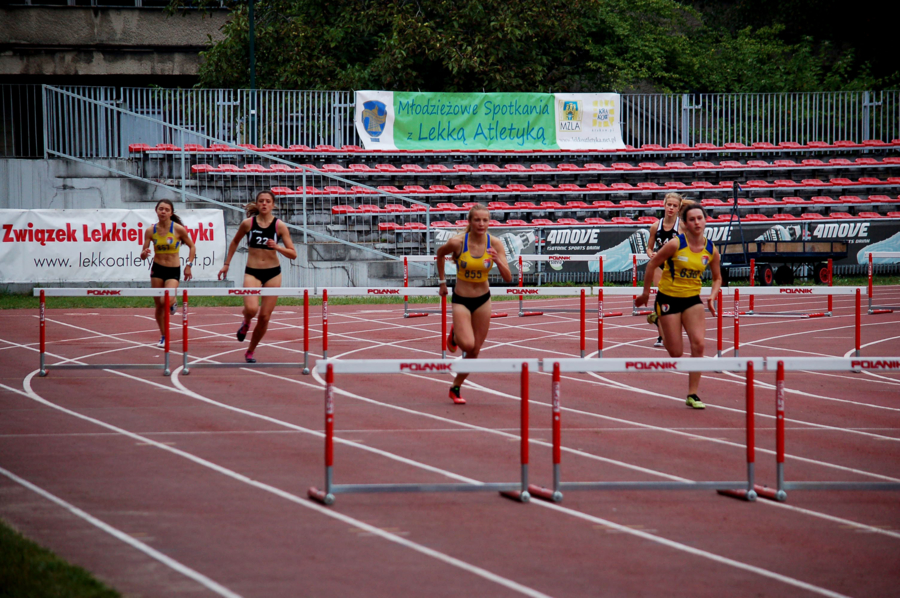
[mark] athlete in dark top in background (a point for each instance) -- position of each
(661, 232)
(263, 231)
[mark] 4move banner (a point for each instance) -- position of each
(390, 120)
(98, 245)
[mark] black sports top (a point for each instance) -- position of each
(258, 236)
(663, 236)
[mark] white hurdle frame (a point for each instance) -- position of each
(515, 490)
(879, 309)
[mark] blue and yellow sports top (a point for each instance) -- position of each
(682, 272)
(471, 268)
(166, 242)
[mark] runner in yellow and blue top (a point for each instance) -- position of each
(684, 260)
(475, 253)
(167, 236)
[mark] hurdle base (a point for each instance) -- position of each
(517, 495)
(499, 314)
(747, 495)
(545, 493)
(611, 314)
(415, 314)
(321, 496)
(770, 493)
(873, 312)
(641, 312)
(527, 314)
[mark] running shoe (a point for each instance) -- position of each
(242, 331)
(451, 342)
(454, 396)
(694, 401)
(162, 342)
(173, 307)
(658, 342)
(248, 356)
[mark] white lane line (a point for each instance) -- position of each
(302, 501)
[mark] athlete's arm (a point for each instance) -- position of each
(451, 247)
(148, 238)
(185, 237)
(242, 231)
(652, 242)
(288, 250)
(715, 267)
(667, 251)
(498, 253)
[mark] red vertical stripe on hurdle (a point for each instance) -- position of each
(633, 277)
(524, 414)
(830, 278)
(751, 411)
(443, 323)
(600, 309)
(737, 320)
(305, 321)
(871, 271)
(184, 320)
(405, 277)
(583, 322)
(324, 319)
(557, 435)
(720, 307)
(752, 278)
(858, 323)
(779, 413)
(167, 320)
(329, 416)
(43, 333)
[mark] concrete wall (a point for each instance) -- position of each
(67, 40)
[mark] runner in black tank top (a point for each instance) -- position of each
(659, 236)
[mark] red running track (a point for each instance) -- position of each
(201, 479)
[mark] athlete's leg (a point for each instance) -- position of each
(657, 276)
(265, 312)
(694, 321)
(670, 326)
(470, 336)
(158, 283)
(251, 306)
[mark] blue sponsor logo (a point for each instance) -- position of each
(374, 115)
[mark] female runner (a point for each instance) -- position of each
(678, 303)
(262, 230)
(661, 232)
(167, 236)
(475, 252)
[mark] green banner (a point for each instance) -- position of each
(476, 121)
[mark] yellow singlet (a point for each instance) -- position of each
(682, 272)
(471, 268)
(166, 242)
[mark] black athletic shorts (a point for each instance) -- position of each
(165, 272)
(666, 306)
(263, 275)
(471, 303)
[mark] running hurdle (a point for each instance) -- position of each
(791, 314)
(515, 490)
(879, 309)
(169, 295)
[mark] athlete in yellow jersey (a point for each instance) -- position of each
(167, 237)
(684, 259)
(475, 253)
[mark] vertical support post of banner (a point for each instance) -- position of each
(858, 322)
(521, 284)
(871, 271)
(166, 371)
(634, 309)
(780, 495)
(405, 285)
(324, 323)
(306, 332)
(43, 341)
(751, 433)
(583, 322)
(737, 322)
(830, 280)
(523, 495)
(443, 326)
(184, 333)
(720, 308)
(325, 496)
(752, 283)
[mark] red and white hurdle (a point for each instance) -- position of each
(879, 309)
(752, 312)
(516, 490)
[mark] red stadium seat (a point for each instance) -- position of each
(676, 165)
(713, 202)
(577, 205)
(880, 199)
(814, 183)
(441, 190)
(449, 207)
(602, 205)
(784, 217)
(822, 199)
(256, 168)
(271, 147)
(730, 164)
(874, 143)
(893, 214)
(647, 220)
(543, 188)
(869, 215)
(784, 164)
(466, 189)
(412, 168)
(368, 209)
(541, 222)
(650, 166)
(491, 188)
(438, 168)
(630, 203)
(735, 146)
(389, 189)
(414, 226)
(282, 191)
(340, 210)
(785, 183)
(622, 220)
(595, 166)
(386, 168)
(845, 143)
(596, 187)
(757, 184)
(680, 147)
(706, 165)
(388, 226)
(817, 144)
(468, 205)
(542, 167)
(570, 187)
(648, 186)
(811, 216)
(568, 222)
(516, 168)
(280, 168)
(494, 223)
(621, 186)
(758, 164)
(524, 205)
(766, 201)
(603, 221)
(754, 217)
(762, 145)
(333, 168)
(702, 185)
(656, 203)
(166, 147)
(794, 200)
(706, 146)
(334, 190)
(517, 188)
(441, 224)
(841, 215)
(870, 180)
(499, 205)
(851, 199)
(652, 147)
(298, 148)
(514, 222)
(624, 166)
(202, 168)
(362, 190)
(867, 161)
(138, 147)
(789, 145)
(464, 168)
(551, 205)
(812, 162)
(490, 168)
(675, 185)
(414, 189)
(568, 167)
(462, 223)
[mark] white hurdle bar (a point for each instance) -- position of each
(879, 309)
(515, 490)
(752, 312)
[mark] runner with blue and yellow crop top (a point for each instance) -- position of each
(678, 304)
(475, 253)
(167, 236)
